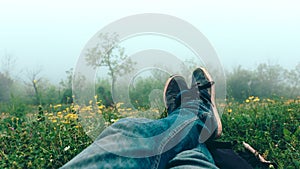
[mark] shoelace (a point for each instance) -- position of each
(204, 94)
(200, 93)
(205, 86)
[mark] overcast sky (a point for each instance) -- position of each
(51, 34)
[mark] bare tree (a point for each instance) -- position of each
(8, 64)
(6, 82)
(34, 79)
(5, 86)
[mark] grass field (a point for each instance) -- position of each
(49, 136)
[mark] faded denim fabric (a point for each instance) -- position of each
(171, 142)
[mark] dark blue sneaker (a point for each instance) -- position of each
(174, 85)
(204, 85)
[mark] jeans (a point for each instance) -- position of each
(172, 142)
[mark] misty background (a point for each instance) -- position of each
(257, 43)
(51, 35)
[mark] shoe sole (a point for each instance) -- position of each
(213, 103)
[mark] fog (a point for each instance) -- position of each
(51, 35)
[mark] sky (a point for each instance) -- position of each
(51, 34)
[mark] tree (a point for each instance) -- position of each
(269, 80)
(5, 84)
(67, 87)
(293, 81)
(266, 81)
(239, 83)
(34, 80)
(7, 64)
(50, 93)
(108, 53)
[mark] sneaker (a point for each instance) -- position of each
(203, 83)
(174, 85)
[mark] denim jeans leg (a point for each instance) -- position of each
(198, 157)
(144, 143)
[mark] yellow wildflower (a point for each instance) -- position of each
(269, 100)
(57, 106)
(229, 110)
(119, 104)
(71, 116)
(74, 116)
(289, 101)
(101, 107)
(76, 107)
(59, 114)
(66, 122)
(256, 99)
(247, 100)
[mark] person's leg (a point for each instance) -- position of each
(142, 143)
(203, 83)
(198, 157)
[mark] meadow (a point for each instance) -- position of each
(41, 127)
(49, 136)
